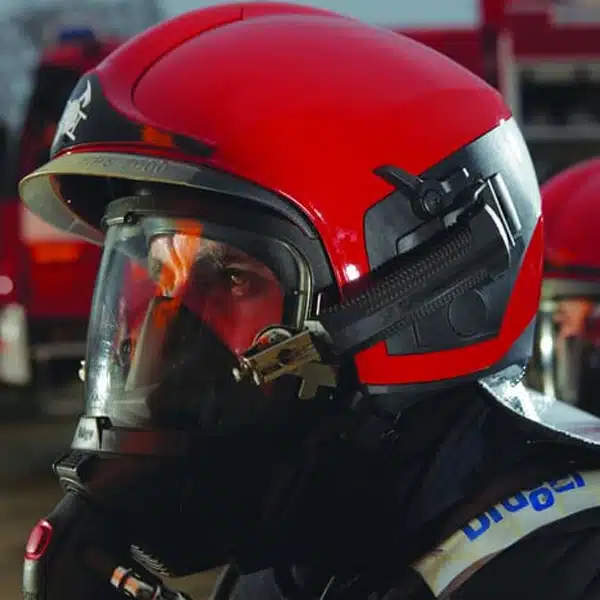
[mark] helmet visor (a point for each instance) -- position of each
(176, 303)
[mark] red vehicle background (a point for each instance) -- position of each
(46, 276)
(544, 57)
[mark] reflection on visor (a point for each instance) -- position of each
(566, 361)
(172, 305)
(225, 288)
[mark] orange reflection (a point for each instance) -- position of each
(156, 137)
(176, 255)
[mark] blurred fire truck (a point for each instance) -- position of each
(544, 56)
(46, 277)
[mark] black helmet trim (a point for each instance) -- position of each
(404, 220)
(89, 118)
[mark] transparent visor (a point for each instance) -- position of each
(173, 310)
(566, 358)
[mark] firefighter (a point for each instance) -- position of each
(567, 351)
(321, 271)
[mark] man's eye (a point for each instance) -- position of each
(237, 277)
(241, 282)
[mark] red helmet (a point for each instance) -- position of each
(567, 352)
(290, 194)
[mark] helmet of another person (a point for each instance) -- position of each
(566, 361)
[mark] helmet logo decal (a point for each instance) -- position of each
(73, 114)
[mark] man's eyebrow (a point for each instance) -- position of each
(229, 254)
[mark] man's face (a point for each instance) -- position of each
(171, 297)
(226, 288)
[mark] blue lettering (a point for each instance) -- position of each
(516, 503)
(472, 531)
(541, 499)
(561, 485)
(495, 514)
